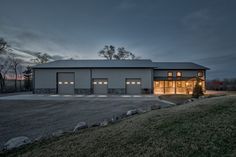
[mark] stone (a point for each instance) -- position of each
(80, 125)
(95, 125)
(57, 133)
(140, 111)
(16, 142)
(155, 107)
(131, 112)
(104, 123)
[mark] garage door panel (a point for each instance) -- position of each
(66, 83)
(100, 86)
(133, 86)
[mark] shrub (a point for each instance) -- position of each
(197, 90)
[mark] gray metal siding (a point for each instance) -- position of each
(117, 77)
(185, 73)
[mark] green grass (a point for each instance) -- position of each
(203, 128)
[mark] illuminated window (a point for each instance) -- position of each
(65, 82)
(94, 82)
(59, 82)
(71, 82)
(170, 74)
(99, 82)
(127, 82)
(199, 74)
(104, 82)
(138, 82)
(179, 74)
(132, 82)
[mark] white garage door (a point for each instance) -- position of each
(133, 86)
(66, 83)
(100, 86)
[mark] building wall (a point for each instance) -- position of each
(45, 80)
(116, 77)
(185, 73)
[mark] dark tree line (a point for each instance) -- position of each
(224, 85)
(11, 63)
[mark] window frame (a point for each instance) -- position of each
(170, 72)
(179, 73)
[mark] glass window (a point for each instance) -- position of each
(65, 82)
(105, 82)
(132, 82)
(170, 74)
(94, 82)
(179, 74)
(71, 82)
(127, 82)
(99, 82)
(138, 82)
(200, 74)
(59, 82)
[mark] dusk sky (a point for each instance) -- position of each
(200, 31)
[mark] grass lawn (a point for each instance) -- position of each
(203, 128)
(177, 99)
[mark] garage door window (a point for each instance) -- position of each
(71, 82)
(127, 82)
(104, 82)
(59, 82)
(65, 82)
(138, 82)
(133, 82)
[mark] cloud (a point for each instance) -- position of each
(127, 4)
(197, 19)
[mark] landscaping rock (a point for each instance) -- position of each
(80, 125)
(140, 111)
(95, 125)
(104, 123)
(16, 142)
(202, 97)
(155, 107)
(57, 133)
(114, 119)
(131, 112)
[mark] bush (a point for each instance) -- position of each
(197, 90)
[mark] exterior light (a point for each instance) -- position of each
(200, 83)
(187, 83)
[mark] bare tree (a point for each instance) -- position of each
(107, 52)
(15, 62)
(122, 54)
(3, 46)
(4, 69)
(41, 58)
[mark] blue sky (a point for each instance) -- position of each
(201, 31)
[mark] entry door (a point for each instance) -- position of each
(100, 86)
(133, 86)
(66, 83)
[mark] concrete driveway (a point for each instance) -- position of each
(41, 115)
